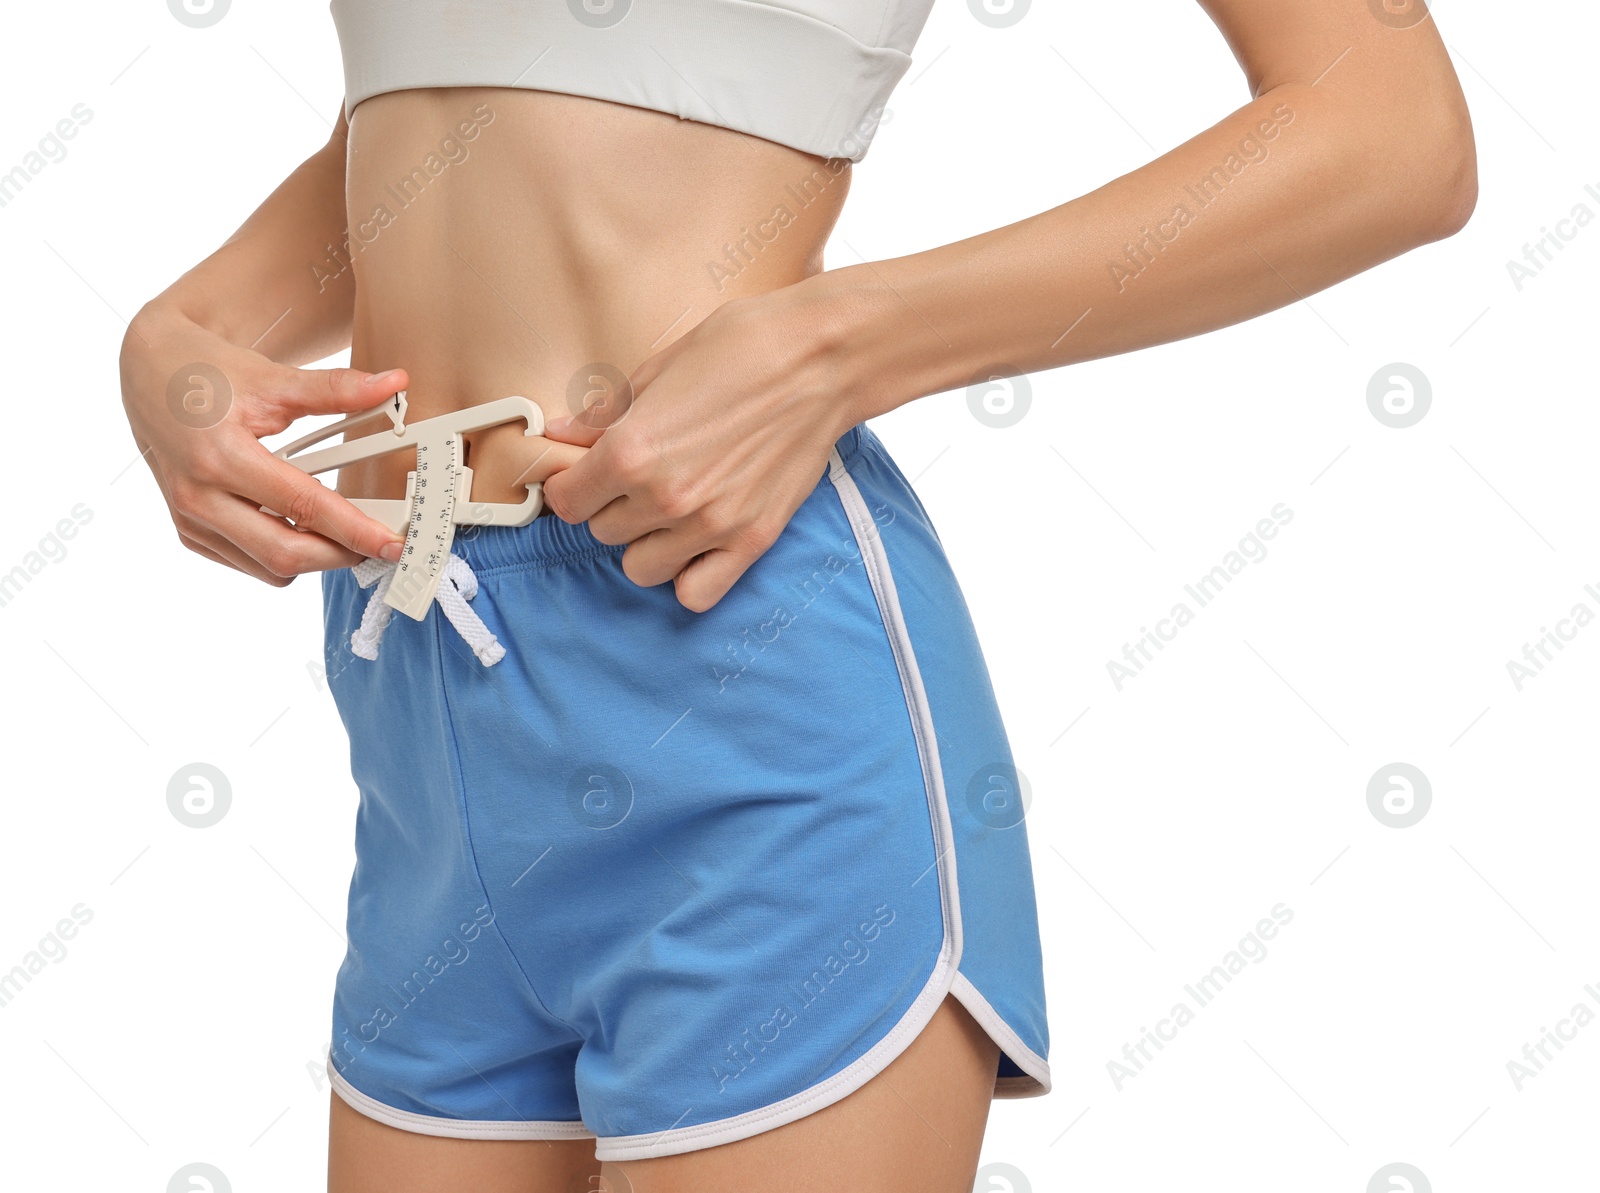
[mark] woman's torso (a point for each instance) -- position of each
(509, 241)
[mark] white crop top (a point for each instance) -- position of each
(811, 74)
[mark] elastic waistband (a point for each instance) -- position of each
(549, 540)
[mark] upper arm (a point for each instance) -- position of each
(1384, 61)
(1357, 44)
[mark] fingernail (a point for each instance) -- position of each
(391, 551)
(560, 424)
(388, 377)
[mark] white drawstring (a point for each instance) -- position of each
(457, 586)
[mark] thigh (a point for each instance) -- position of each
(916, 1127)
(366, 1156)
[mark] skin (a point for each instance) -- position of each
(577, 232)
(721, 443)
(916, 1127)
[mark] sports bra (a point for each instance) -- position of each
(810, 74)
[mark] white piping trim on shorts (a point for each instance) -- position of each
(455, 1128)
(1036, 1080)
(853, 1076)
(876, 561)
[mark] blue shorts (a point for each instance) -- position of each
(669, 879)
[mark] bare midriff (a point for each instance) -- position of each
(510, 241)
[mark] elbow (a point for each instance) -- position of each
(1458, 193)
(1452, 176)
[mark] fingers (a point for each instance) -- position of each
(274, 550)
(284, 394)
(607, 397)
(525, 460)
(199, 548)
(589, 484)
(310, 505)
(658, 556)
(197, 537)
(708, 578)
(202, 444)
(707, 555)
(202, 539)
(689, 551)
(570, 429)
(618, 465)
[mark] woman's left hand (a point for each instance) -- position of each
(725, 433)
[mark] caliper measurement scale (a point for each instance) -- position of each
(438, 489)
(430, 528)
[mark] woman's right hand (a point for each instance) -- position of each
(199, 406)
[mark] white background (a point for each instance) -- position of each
(1167, 818)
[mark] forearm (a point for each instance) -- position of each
(278, 284)
(1301, 188)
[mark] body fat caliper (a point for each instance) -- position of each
(438, 489)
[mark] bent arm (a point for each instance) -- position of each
(281, 283)
(250, 314)
(1357, 147)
